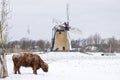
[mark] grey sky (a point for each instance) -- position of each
(90, 16)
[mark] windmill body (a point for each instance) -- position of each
(60, 40)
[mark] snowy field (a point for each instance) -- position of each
(71, 66)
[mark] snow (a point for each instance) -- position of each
(71, 66)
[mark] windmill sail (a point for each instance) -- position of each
(67, 6)
(75, 30)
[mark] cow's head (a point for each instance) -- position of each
(44, 67)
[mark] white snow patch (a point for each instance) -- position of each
(71, 66)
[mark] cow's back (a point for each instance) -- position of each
(26, 59)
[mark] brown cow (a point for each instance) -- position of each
(28, 59)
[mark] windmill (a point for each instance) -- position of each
(60, 36)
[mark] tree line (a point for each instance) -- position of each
(94, 41)
(26, 44)
(99, 44)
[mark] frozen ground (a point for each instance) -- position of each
(71, 66)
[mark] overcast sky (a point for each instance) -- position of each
(90, 16)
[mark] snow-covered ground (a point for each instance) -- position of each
(71, 66)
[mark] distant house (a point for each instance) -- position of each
(91, 48)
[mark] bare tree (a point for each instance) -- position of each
(25, 43)
(3, 29)
(113, 44)
(96, 39)
(41, 45)
(47, 45)
(89, 40)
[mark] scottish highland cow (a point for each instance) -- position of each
(28, 60)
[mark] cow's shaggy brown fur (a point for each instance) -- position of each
(28, 59)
